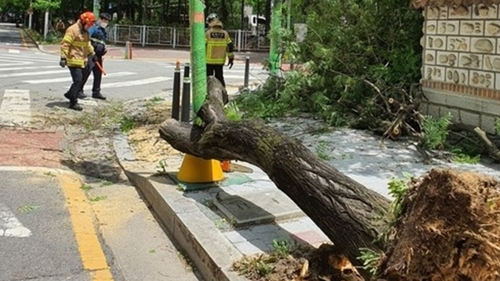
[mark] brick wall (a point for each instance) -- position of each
(461, 57)
(461, 46)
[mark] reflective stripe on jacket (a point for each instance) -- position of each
(219, 44)
(75, 46)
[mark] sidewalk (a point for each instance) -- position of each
(219, 223)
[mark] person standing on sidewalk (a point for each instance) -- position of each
(98, 36)
(76, 50)
(219, 45)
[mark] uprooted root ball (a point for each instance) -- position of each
(449, 230)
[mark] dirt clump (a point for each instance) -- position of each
(302, 263)
(449, 230)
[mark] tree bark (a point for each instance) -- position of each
(344, 210)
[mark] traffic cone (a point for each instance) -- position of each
(226, 165)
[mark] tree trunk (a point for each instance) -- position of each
(345, 210)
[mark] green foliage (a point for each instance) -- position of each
(370, 260)
(232, 111)
(436, 131)
(321, 151)
(460, 156)
(353, 49)
(126, 124)
(44, 5)
(281, 248)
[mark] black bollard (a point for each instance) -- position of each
(176, 98)
(186, 99)
(186, 70)
(247, 71)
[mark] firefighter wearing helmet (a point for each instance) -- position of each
(76, 50)
(219, 46)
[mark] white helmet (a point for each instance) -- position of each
(212, 17)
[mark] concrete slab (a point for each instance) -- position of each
(257, 208)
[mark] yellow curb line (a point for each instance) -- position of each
(25, 45)
(89, 247)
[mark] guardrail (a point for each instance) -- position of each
(175, 37)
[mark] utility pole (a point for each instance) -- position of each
(194, 169)
(97, 7)
(274, 59)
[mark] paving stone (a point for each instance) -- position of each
(257, 208)
(252, 247)
(236, 236)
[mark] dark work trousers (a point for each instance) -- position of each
(216, 70)
(77, 75)
(96, 72)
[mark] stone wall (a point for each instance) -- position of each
(461, 63)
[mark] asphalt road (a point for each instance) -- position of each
(43, 82)
(36, 235)
(51, 227)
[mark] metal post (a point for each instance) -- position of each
(176, 92)
(186, 99)
(96, 8)
(115, 31)
(247, 71)
(46, 24)
(174, 40)
(30, 20)
(186, 95)
(239, 40)
(143, 35)
(186, 70)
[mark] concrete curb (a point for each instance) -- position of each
(205, 245)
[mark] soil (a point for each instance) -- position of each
(144, 138)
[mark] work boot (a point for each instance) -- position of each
(75, 106)
(98, 96)
(81, 95)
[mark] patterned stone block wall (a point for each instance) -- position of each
(462, 50)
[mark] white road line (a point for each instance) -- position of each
(10, 226)
(28, 58)
(15, 108)
(14, 64)
(68, 79)
(14, 51)
(29, 67)
(34, 73)
(131, 83)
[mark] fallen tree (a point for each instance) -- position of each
(347, 212)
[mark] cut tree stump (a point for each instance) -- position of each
(346, 211)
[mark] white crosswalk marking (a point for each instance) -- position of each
(45, 72)
(29, 67)
(10, 226)
(15, 108)
(68, 79)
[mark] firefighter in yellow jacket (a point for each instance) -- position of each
(76, 50)
(219, 45)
